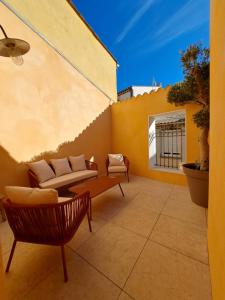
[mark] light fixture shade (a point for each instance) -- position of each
(10, 47)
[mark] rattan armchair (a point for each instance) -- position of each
(126, 163)
(48, 224)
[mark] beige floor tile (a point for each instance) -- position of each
(206, 215)
(84, 283)
(146, 200)
(161, 273)
(136, 219)
(180, 206)
(180, 192)
(6, 237)
(106, 205)
(130, 191)
(181, 236)
(83, 233)
(31, 263)
(113, 250)
(114, 247)
(124, 296)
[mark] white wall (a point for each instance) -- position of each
(140, 90)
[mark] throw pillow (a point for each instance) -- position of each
(78, 163)
(116, 160)
(61, 166)
(42, 170)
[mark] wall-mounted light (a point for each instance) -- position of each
(14, 48)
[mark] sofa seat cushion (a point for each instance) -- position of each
(64, 199)
(68, 179)
(115, 169)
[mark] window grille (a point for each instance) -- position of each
(170, 143)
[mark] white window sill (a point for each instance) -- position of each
(167, 170)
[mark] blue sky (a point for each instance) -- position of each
(145, 36)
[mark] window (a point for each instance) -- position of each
(167, 140)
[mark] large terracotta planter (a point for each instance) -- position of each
(198, 182)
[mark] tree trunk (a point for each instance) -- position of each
(204, 150)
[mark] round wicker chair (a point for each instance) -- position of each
(48, 224)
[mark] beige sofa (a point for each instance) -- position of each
(65, 180)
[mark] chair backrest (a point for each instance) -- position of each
(125, 159)
(51, 224)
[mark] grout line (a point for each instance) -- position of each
(178, 251)
(32, 287)
(131, 231)
(93, 233)
(188, 222)
(185, 222)
(148, 239)
(90, 264)
(140, 254)
(122, 291)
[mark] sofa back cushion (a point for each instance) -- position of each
(78, 163)
(61, 166)
(42, 170)
(28, 196)
(116, 160)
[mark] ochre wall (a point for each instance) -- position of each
(62, 27)
(216, 213)
(47, 108)
(130, 133)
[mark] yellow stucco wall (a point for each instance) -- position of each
(130, 133)
(48, 109)
(62, 27)
(216, 213)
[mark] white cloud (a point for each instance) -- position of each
(134, 19)
(188, 18)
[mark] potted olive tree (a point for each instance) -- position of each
(195, 89)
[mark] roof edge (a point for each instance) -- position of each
(124, 90)
(72, 5)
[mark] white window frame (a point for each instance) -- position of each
(152, 142)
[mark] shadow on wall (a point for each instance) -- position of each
(94, 142)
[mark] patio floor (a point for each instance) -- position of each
(152, 244)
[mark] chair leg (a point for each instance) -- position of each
(121, 189)
(10, 256)
(89, 221)
(90, 210)
(64, 264)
